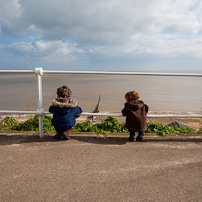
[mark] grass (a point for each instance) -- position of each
(109, 125)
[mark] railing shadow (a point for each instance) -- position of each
(11, 139)
(21, 139)
(173, 140)
(104, 141)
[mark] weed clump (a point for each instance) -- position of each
(109, 125)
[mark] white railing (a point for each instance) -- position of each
(40, 112)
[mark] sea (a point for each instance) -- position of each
(163, 94)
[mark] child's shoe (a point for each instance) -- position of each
(139, 138)
(66, 135)
(58, 136)
(131, 138)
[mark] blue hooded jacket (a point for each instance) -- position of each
(64, 113)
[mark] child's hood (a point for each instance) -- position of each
(135, 104)
(69, 104)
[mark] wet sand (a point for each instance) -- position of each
(161, 94)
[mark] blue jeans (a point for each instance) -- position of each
(132, 134)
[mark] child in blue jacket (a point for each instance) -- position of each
(65, 111)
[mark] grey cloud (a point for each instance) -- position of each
(97, 22)
(90, 32)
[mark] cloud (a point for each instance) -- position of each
(53, 51)
(77, 30)
(100, 22)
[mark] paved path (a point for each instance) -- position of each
(94, 169)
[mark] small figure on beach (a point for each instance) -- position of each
(136, 115)
(65, 111)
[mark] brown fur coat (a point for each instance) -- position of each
(136, 115)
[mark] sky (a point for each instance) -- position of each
(107, 35)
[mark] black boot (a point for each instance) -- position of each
(131, 138)
(139, 138)
(58, 136)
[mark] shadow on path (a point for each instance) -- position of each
(19, 139)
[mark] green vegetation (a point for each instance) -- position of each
(10, 123)
(109, 125)
(163, 130)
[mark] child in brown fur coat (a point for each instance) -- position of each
(136, 115)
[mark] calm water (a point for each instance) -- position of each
(162, 94)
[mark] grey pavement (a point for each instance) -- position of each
(87, 168)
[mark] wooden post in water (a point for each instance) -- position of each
(96, 110)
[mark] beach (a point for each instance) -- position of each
(163, 95)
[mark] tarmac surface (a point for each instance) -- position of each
(87, 168)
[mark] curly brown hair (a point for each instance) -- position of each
(132, 95)
(64, 92)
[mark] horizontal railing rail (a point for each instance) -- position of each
(106, 114)
(40, 112)
(105, 73)
(18, 71)
(124, 73)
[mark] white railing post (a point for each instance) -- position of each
(39, 74)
